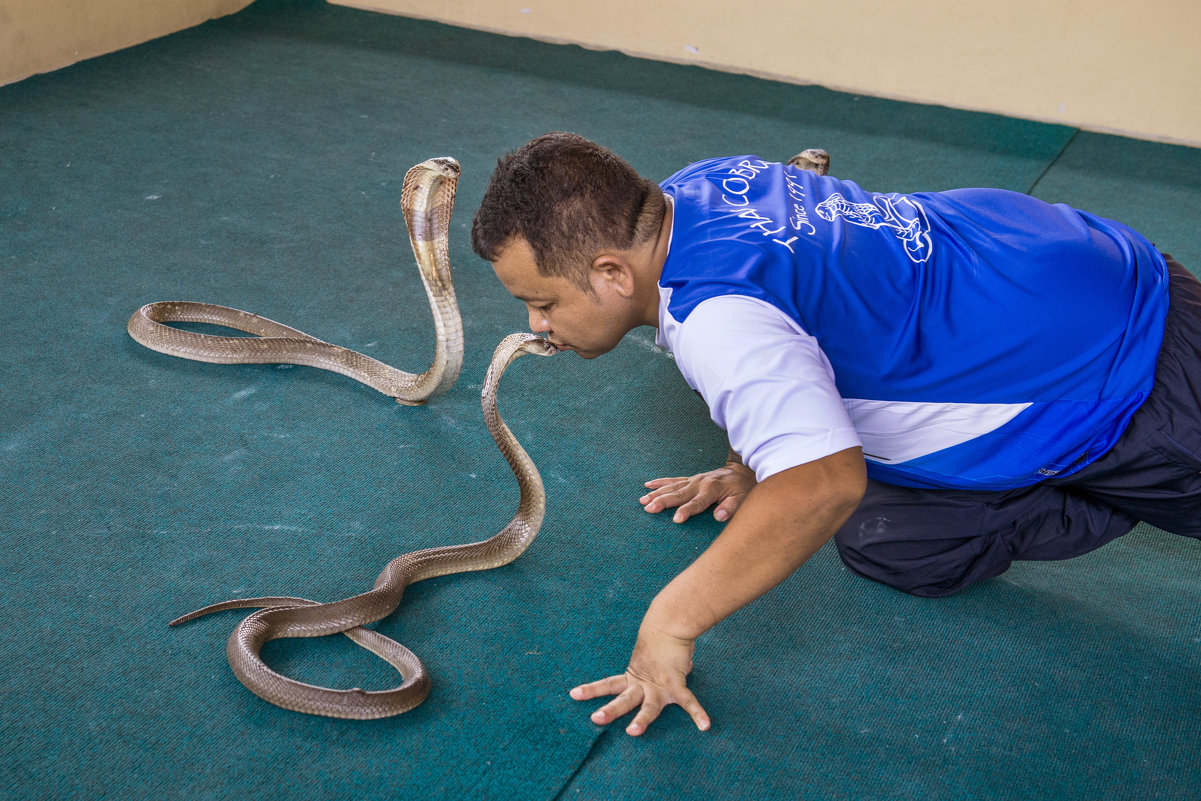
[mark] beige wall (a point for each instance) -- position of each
(1104, 65)
(43, 35)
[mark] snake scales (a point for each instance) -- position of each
(427, 199)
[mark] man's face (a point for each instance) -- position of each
(590, 323)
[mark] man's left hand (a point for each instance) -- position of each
(655, 678)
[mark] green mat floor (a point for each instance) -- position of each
(256, 161)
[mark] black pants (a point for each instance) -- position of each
(936, 542)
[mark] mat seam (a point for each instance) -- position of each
(567, 782)
(1053, 162)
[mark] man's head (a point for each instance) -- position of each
(570, 228)
(569, 198)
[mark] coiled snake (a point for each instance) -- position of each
(427, 199)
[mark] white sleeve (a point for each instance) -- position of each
(766, 381)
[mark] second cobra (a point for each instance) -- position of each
(299, 617)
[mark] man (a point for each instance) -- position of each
(943, 382)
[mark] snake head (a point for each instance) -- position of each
(513, 347)
(814, 160)
(445, 166)
(510, 349)
(536, 345)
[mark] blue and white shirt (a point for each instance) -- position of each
(976, 338)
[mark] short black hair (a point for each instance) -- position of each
(569, 198)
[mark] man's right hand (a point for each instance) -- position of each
(725, 487)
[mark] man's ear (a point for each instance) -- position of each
(613, 271)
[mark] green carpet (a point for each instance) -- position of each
(256, 161)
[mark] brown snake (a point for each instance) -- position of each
(814, 160)
(427, 199)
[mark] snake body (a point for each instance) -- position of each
(427, 199)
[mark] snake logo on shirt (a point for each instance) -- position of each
(902, 214)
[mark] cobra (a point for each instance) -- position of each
(427, 199)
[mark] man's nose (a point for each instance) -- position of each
(538, 322)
